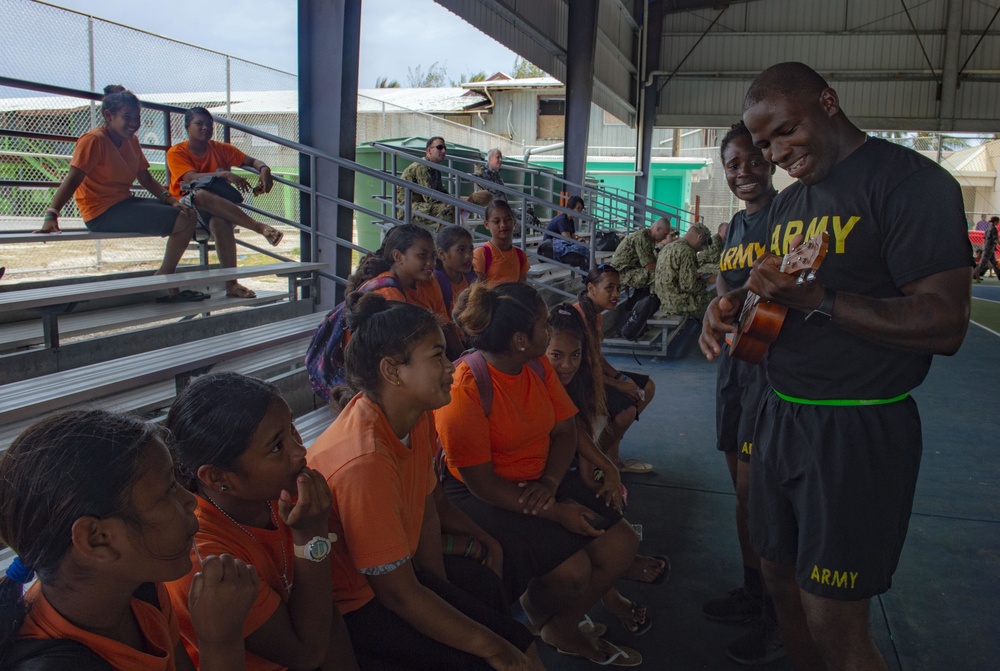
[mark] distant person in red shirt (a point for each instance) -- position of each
(105, 163)
(201, 156)
(89, 503)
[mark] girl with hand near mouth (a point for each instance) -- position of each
(407, 256)
(201, 156)
(627, 394)
(106, 161)
(234, 446)
(403, 604)
(498, 261)
(89, 502)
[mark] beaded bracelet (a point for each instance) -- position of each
(49, 217)
(53, 211)
(163, 196)
(450, 542)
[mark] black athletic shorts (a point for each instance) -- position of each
(738, 389)
(616, 400)
(532, 546)
(381, 638)
(831, 489)
(136, 215)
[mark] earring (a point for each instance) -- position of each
(522, 349)
(398, 383)
(223, 488)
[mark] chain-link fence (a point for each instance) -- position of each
(58, 47)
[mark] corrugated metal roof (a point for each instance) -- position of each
(429, 100)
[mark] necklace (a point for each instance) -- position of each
(274, 520)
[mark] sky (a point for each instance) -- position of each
(264, 31)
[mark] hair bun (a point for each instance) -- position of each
(473, 311)
(360, 306)
(113, 88)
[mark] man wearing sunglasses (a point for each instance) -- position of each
(429, 177)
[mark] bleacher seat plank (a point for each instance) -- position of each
(30, 332)
(272, 357)
(67, 235)
(312, 424)
(25, 299)
(33, 397)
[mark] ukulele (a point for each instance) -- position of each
(761, 320)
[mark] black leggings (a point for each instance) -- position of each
(382, 640)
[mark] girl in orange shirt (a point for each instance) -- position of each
(89, 502)
(508, 470)
(106, 161)
(407, 255)
(499, 261)
(403, 603)
(201, 156)
(577, 361)
(236, 448)
(627, 394)
(453, 268)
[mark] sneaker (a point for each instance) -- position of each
(761, 645)
(739, 606)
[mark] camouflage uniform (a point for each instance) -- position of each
(678, 283)
(488, 173)
(632, 256)
(709, 257)
(418, 173)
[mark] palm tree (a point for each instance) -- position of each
(384, 83)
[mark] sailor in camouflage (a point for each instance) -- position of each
(418, 173)
(681, 288)
(709, 257)
(635, 257)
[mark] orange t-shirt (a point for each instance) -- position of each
(181, 160)
(217, 534)
(427, 294)
(158, 626)
(506, 266)
(456, 289)
(515, 437)
(110, 171)
(379, 489)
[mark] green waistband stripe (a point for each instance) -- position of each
(841, 401)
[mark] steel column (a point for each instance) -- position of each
(581, 42)
(652, 29)
(329, 44)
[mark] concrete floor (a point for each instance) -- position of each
(943, 611)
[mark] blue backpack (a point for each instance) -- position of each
(445, 283)
(325, 356)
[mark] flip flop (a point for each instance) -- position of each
(634, 466)
(618, 655)
(660, 579)
(592, 629)
(184, 296)
(640, 627)
(587, 627)
(241, 292)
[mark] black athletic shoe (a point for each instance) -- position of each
(739, 606)
(761, 645)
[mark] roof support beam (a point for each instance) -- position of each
(329, 48)
(949, 76)
(581, 44)
(652, 32)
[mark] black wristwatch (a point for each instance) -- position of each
(822, 314)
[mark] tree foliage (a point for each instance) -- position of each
(470, 77)
(384, 83)
(524, 69)
(435, 75)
